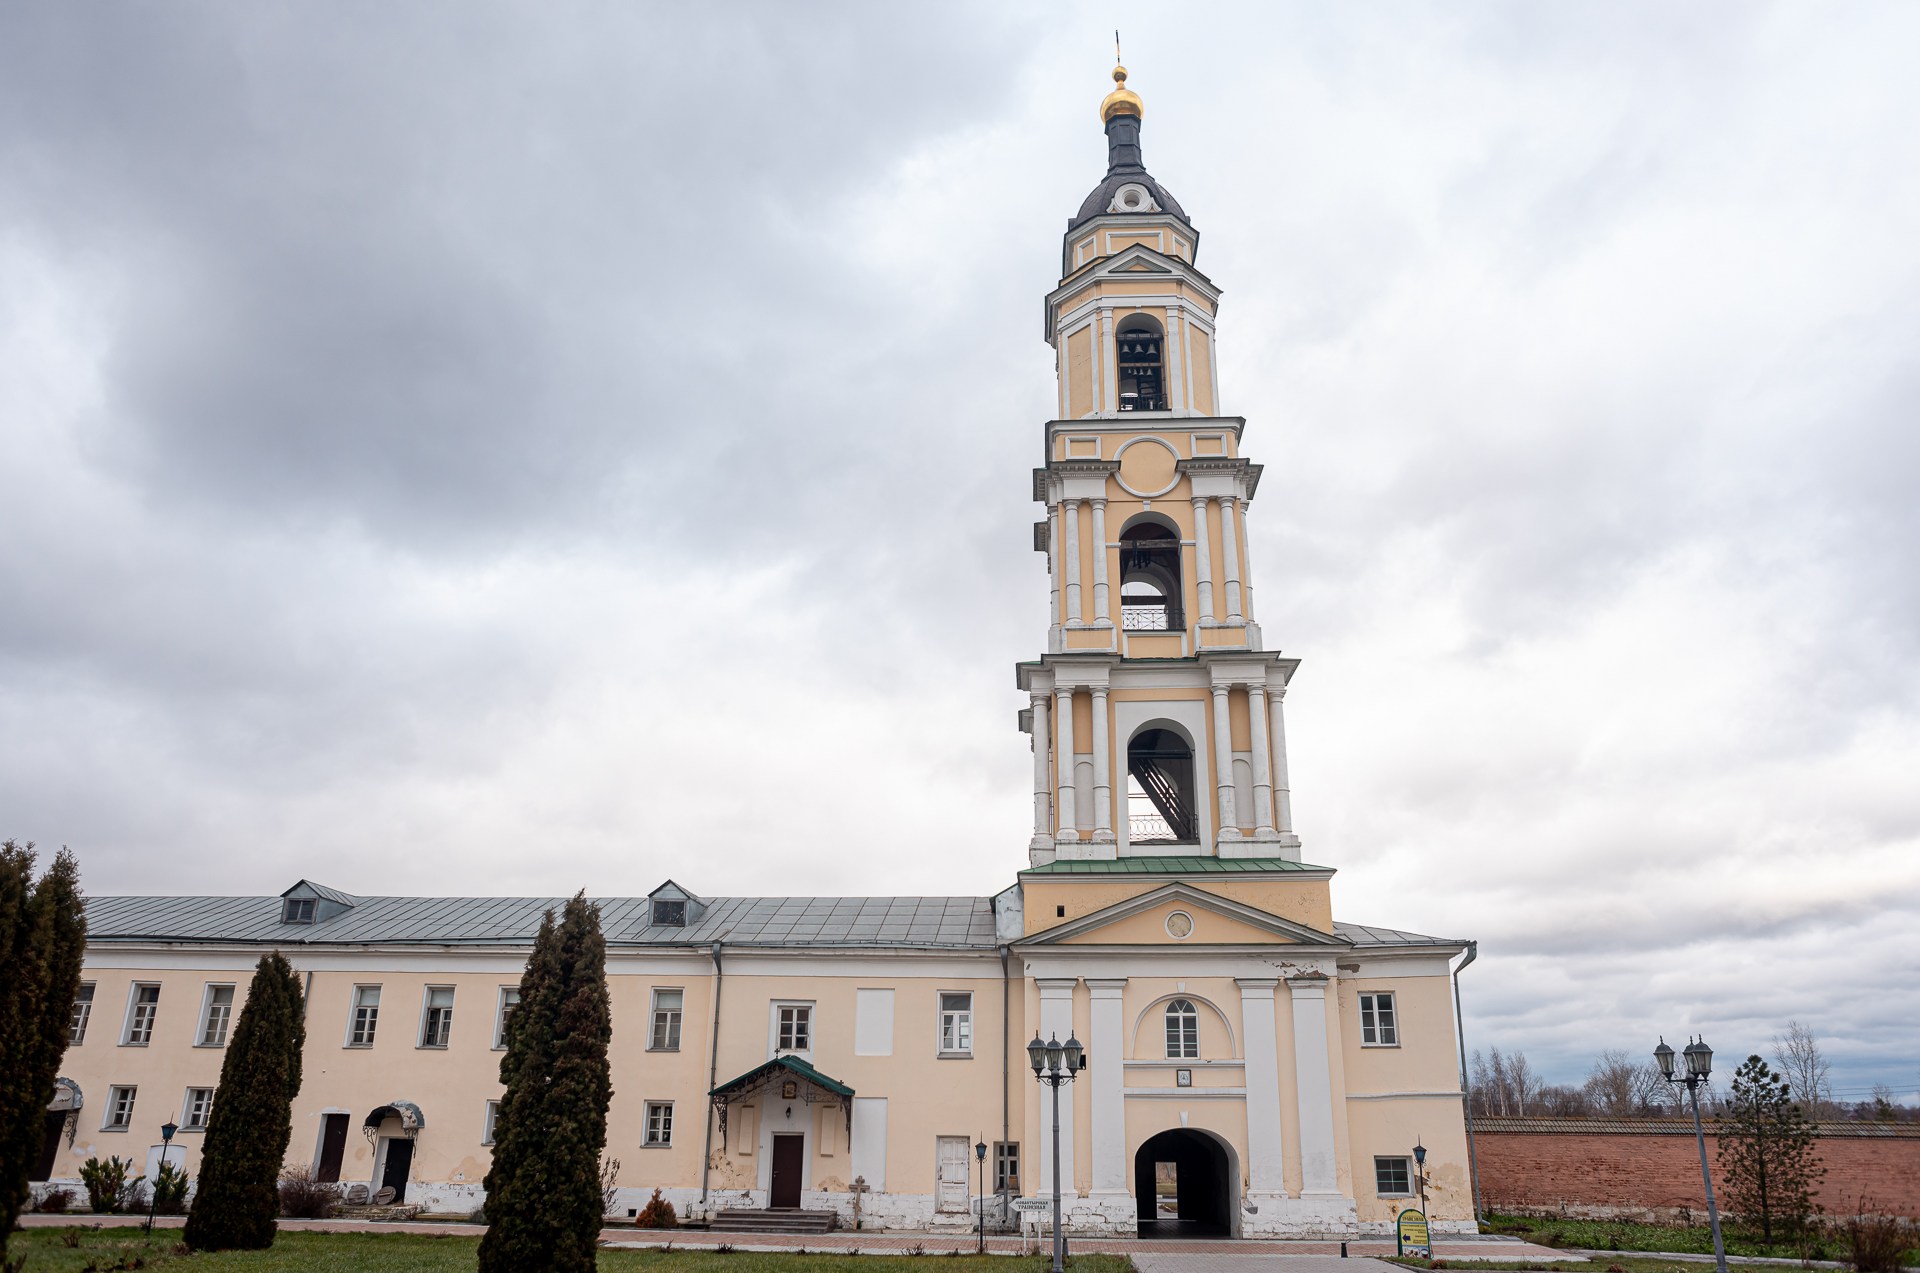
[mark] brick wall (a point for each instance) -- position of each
(1597, 1168)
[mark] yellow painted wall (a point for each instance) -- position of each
(1306, 902)
(1149, 928)
(1202, 372)
(1080, 373)
(1238, 727)
(1082, 724)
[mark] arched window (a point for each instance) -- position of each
(1138, 346)
(1183, 1029)
(1160, 789)
(1150, 579)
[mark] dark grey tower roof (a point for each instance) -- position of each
(1123, 168)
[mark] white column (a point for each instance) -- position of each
(1063, 765)
(1314, 1080)
(1223, 763)
(1213, 368)
(1056, 1022)
(1186, 360)
(1070, 549)
(1266, 1163)
(1282, 785)
(1262, 765)
(1100, 614)
(1096, 372)
(1202, 560)
(1246, 576)
(1042, 772)
(1102, 780)
(1110, 370)
(1109, 1104)
(1053, 562)
(1169, 359)
(1230, 553)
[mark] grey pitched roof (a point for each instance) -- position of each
(1364, 935)
(936, 922)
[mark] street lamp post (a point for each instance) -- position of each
(167, 1129)
(1055, 1063)
(980, 1156)
(1699, 1065)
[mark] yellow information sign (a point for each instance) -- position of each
(1411, 1232)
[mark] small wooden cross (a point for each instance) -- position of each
(858, 1187)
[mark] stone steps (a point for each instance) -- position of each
(740, 1220)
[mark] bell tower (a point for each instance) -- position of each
(1156, 714)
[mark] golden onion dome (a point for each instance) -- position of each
(1121, 101)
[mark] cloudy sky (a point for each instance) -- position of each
(510, 448)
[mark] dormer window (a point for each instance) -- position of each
(669, 914)
(297, 910)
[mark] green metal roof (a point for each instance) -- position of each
(793, 1063)
(1175, 866)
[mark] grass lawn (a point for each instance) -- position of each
(1612, 1235)
(100, 1249)
(1625, 1263)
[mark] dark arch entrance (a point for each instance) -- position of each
(1201, 1200)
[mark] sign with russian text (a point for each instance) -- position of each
(1411, 1232)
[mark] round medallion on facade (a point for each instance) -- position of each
(1149, 467)
(1179, 924)
(1131, 197)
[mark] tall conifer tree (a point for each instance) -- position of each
(1766, 1153)
(43, 939)
(544, 1204)
(246, 1141)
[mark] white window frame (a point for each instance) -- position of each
(1166, 1011)
(426, 1013)
(133, 1004)
(132, 1093)
(500, 1008)
(647, 1139)
(83, 1011)
(773, 1028)
(206, 1009)
(186, 1110)
(1387, 1034)
(940, 1025)
(353, 1014)
(1404, 1162)
(489, 1122)
(678, 1024)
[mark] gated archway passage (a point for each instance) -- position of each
(1200, 1199)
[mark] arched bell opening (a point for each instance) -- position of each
(1150, 592)
(1160, 796)
(1186, 1183)
(1139, 357)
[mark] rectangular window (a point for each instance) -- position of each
(1006, 1166)
(660, 1123)
(298, 910)
(796, 1025)
(119, 1109)
(670, 914)
(666, 1020)
(492, 1123)
(146, 1006)
(199, 1109)
(436, 1026)
(1391, 1177)
(1377, 1025)
(509, 1000)
(366, 1016)
(956, 1023)
(213, 1028)
(82, 1009)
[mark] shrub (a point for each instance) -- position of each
(657, 1214)
(1878, 1240)
(170, 1190)
(478, 1215)
(56, 1199)
(133, 1197)
(304, 1198)
(104, 1181)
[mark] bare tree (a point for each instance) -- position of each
(1524, 1082)
(1798, 1054)
(1498, 1065)
(1622, 1087)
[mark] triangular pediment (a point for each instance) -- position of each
(1138, 260)
(1216, 920)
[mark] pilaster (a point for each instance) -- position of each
(1108, 1107)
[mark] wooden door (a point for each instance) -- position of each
(399, 1162)
(789, 1157)
(333, 1148)
(49, 1148)
(951, 1171)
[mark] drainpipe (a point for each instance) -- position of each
(1466, 1093)
(306, 998)
(1005, 1043)
(713, 1072)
